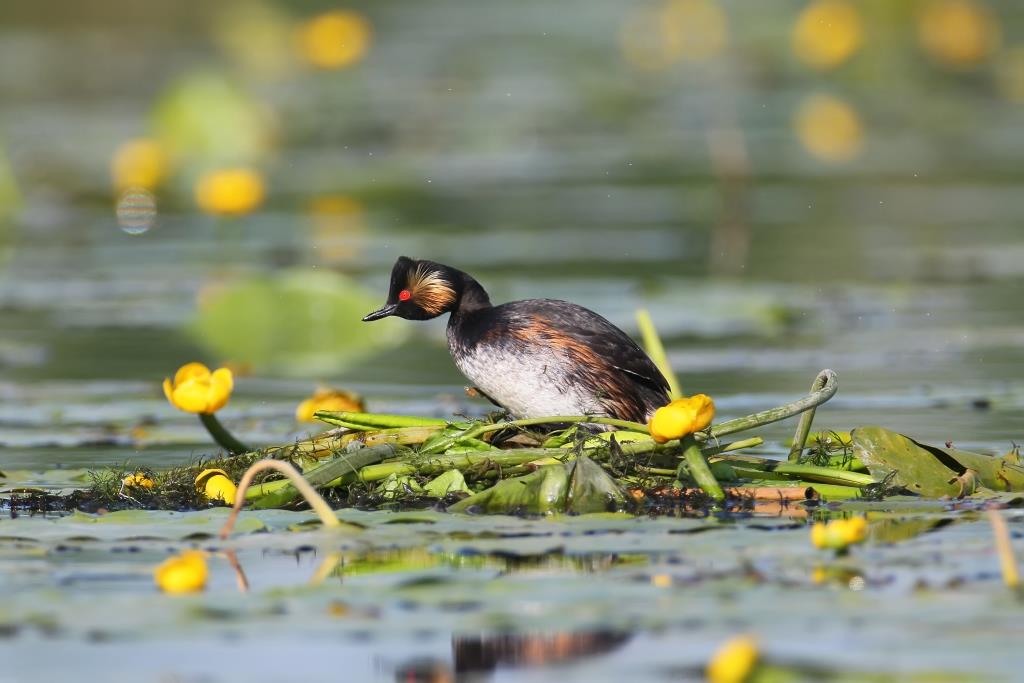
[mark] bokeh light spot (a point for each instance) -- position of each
(827, 33)
(230, 191)
(829, 128)
(958, 34)
(335, 40)
(136, 210)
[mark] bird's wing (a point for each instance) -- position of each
(607, 341)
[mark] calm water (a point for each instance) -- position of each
(516, 142)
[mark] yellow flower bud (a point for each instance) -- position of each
(230, 191)
(328, 399)
(839, 533)
(734, 661)
(139, 480)
(681, 417)
(216, 485)
(183, 573)
(195, 389)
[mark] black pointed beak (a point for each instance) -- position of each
(389, 309)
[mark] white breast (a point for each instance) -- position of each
(532, 385)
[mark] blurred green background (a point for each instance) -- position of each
(786, 186)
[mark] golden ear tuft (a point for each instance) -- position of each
(429, 290)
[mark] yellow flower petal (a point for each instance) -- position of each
(221, 384)
(216, 485)
(196, 390)
(219, 487)
(184, 573)
(139, 480)
(839, 533)
(192, 396)
(328, 399)
(734, 661)
(681, 417)
(191, 371)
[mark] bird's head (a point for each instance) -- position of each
(420, 290)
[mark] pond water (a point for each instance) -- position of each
(531, 148)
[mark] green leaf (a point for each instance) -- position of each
(539, 492)
(295, 322)
(932, 470)
(591, 489)
(451, 481)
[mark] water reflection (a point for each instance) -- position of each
(476, 657)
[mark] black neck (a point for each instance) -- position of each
(473, 297)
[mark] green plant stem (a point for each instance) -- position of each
(814, 399)
(787, 470)
(319, 505)
(441, 445)
(656, 350)
(826, 491)
(221, 435)
(697, 467)
(803, 427)
(461, 461)
(368, 421)
(732, 446)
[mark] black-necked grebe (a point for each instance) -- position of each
(534, 358)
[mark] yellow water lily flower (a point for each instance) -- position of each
(230, 191)
(838, 534)
(138, 480)
(197, 390)
(184, 573)
(681, 417)
(734, 661)
(328, 399)
(216, 485)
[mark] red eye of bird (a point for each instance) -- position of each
(404, 295)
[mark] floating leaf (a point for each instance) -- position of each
(932, 470)
(295, 321)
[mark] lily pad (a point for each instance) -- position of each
(933, 471)
(295, 322)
